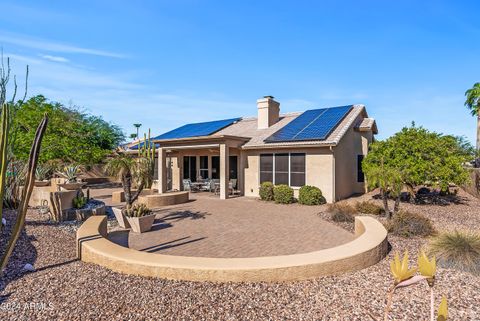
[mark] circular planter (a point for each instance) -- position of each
(93, 207)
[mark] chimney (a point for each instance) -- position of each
(268, 112)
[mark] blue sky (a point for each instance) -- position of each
(164, 63)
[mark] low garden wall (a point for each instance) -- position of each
(158, 200)
(369, 247)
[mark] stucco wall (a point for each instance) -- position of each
(318, 167)
(352, 144)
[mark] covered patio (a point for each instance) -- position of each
(210, 162)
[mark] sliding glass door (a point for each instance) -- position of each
(190, 168)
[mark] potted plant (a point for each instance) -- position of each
(130, 171)
(70, 173)
(140, 217)
(42, 174)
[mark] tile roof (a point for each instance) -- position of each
(248, 128)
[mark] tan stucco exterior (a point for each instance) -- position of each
(330, 165)
(318, 169)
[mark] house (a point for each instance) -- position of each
(319, 147)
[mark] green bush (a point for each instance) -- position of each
(266, 191)
(368, 207)
(407, 224)
(458, 250)
(283, 194)
(310, 195)
(342, 212)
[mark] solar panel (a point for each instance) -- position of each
(197, 129)
(314, 124)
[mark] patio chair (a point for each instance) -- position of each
(214, 187)
(232, 186)
(205, 186)
(187, 185)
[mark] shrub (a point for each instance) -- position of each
(342, 212)
(458, 250)
(368, 207)
(266, 191)
(283, 194)
(407, 224)
(310, 195)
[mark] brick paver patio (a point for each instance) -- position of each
(237, 227)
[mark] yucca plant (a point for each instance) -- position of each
(131, 171)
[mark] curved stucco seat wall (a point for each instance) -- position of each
(368, 248)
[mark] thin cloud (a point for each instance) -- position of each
(55, 58)
(54, 46)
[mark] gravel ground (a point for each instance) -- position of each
(63, 288)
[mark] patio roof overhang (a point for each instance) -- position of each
(212, 141)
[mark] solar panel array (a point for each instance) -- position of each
(314, 124)
(197, 129)
(135, 147)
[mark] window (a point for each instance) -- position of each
(189, 168)
(360, 174)
(232, 166)
(266, 168)
(204, 166)
(215, 167)
(297, 169)
(283, 168)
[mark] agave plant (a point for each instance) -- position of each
(42, 173)
(70, 173)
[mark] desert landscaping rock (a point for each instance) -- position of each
(72, 290)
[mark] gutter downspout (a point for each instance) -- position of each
(333, 175)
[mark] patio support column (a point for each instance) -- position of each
(224, 171)
(162, 170)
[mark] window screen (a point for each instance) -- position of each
(266, 168)
(281, 169)
(297, 169)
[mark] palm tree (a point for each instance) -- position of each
(137, 126)
(133, 136)
(473, 103)
(130, 171)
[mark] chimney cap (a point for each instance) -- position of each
(269, 97)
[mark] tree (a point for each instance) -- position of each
(413, 157)
(72, 136)
(131, 171)
(473, 103)
(137, 126)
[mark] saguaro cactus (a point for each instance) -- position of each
(147, 151)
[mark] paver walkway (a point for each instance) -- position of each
(237, 227)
